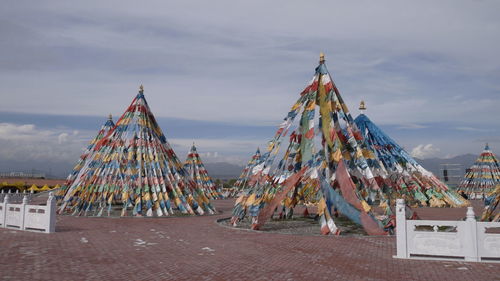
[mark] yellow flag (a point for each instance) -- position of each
(365, 205)
(311, 105)
(368, 154)
(321, 206)
(337, 155)
(177, 201)
(346, 155)
(250, 200)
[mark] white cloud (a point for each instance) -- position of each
(88, 58)
(62, 138)
(27, 142)
(424, 151)
(212, 157)
(17, 132)
(232, 66)
(449, 156)
(412, 126)
(473, 129)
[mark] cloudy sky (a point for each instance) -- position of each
(225, 73)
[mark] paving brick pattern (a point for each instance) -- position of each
(197, 248)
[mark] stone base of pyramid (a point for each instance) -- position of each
(117, 212)
(299, 225)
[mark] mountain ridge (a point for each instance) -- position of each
(225, 170)
(455, 166)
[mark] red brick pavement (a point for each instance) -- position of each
(197, 248)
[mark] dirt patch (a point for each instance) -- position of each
(300, 226)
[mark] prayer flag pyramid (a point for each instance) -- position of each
(405, 176)
(195, 168)
(106, 127)
(326, 162)
(242, 181)
(483, 176)
(135, 166)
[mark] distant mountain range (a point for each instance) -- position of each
(221, 170)
(455, 166)
(51, 169)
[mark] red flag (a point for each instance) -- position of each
(370, 225)
(347, 186)
(268, 210)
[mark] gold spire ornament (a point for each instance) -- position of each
(362, 106)
(321, 57)
(110, 117)
(141, 89)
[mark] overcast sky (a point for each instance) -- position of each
(225, 73)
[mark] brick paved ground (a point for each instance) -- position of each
(197, 248)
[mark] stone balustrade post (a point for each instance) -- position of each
(23, 209)
(4, 208)
(51, 213)
(401, 243)
(470, 236)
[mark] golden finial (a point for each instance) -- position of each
(110, 117)
(362, 105)
(141, 89)
(321, 57)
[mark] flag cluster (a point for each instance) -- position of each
(333, 161)
(483, 176)
(243, 179)
(131, 164)
(106, 127)
(324, 156)
(404, 176)
(196, 170)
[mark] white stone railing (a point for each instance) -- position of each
(16, 196)
(29, 217)
(467, 240)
